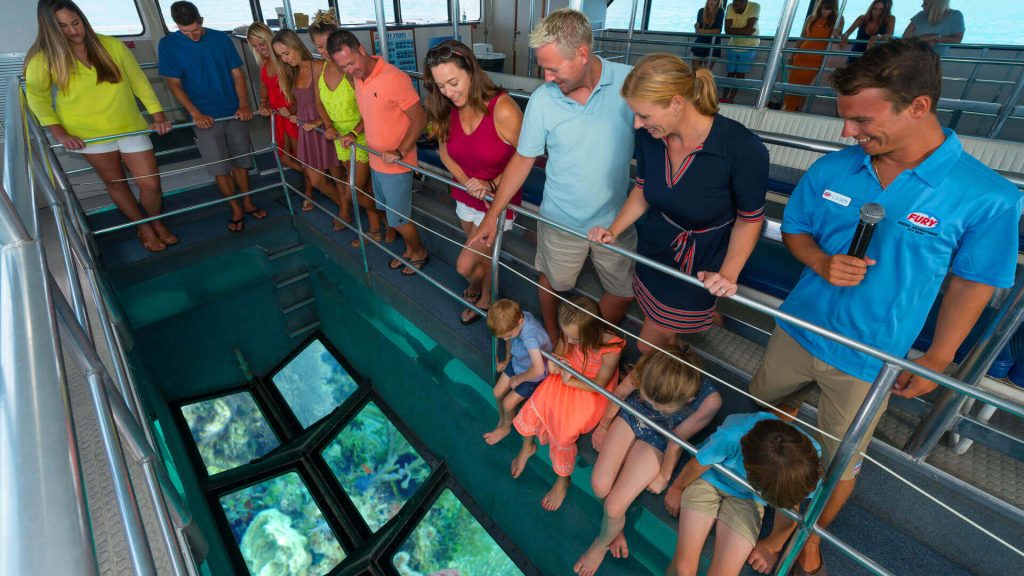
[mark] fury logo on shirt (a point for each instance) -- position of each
(922, 220)
(836, 197)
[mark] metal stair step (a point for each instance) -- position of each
(291, 280)
(298, 305)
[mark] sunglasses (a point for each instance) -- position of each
(441, 53)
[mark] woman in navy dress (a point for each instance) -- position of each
(698, 203)
(710, 19)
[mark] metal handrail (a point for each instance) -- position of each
(178, 126)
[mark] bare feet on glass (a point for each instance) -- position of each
(519, 464)
(553, 499)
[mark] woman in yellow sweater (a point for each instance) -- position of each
(97, 81)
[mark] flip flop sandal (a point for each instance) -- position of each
(376, 236)
(238, 225)
(307, 206)
(256, 213)
(418, 264)
(471, 295)
(473, 316)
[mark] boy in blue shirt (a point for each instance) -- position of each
(523, 368)
(782, 463)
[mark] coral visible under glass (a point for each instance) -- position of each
(451, 542)
(314, 383)
(229, 431)
(376, 465)
(280, 529)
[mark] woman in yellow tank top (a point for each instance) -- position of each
(340, 114)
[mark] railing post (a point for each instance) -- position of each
(945, 411)
(289, 16)
(382, 28)
(17, 180)
(277, 157)
(355, 210)
(456, 20)
(629, 32)
(771, 69)
(840, 460)
(495, 269)
(530, 62)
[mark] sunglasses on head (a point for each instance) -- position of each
(440, 53)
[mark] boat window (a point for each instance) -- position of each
(280, 529)
(314, 383)
(217, 14)
(470, 10)
(376, 466)
(617, 15)
(424, 11)
(449, 540)
(229, 431)
(113, 17)
(273, 12)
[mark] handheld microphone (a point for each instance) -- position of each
(870, 215)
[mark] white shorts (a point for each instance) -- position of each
(126, 145)
(470, 214)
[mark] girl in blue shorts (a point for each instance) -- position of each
(633, 456)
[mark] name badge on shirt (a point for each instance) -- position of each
(836, 197)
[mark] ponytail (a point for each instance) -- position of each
(704, 95)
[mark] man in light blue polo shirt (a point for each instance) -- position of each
(944, 211)
(584, 123)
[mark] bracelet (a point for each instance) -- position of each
(353, 133)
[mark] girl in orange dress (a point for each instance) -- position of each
(563, 408)
(823, 23)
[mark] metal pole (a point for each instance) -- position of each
(355, 210)
(382, 28)
(1007, 108)
(289, 16)
(629, 32)
(456, 19)
(495, 268)
(16, 179)
(45, 528)
(771, 69)
(840, 460)
(946, 410)
(530, 62)
(277, 156)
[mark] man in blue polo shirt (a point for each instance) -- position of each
(584, 123)
(204, 72)
(944, 211)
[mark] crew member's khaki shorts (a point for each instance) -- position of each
(742, 515)
(560, 257)
(788, 375)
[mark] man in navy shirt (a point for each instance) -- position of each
(945, 212)
(204, 72)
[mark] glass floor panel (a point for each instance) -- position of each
(376, 466)
(314, 383)
(229, 431)
(280, 530)
(449, 540)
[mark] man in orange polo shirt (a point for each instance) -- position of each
(393, 118)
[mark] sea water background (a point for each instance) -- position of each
(988, 21)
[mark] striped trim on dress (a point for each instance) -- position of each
(678, 321)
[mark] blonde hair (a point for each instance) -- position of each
(585, 315)
(260, 31)
(287, 75)
(503, 316)
(658, 78)
(937, 11)
(666, 381)
(567, 28)
(324, 22)
(710, 15)
(55, 48)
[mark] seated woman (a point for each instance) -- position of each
(286, 133)
(298, 78)
(336, 101)
(699, 197)
(824, 23)
(477, 125)
(875, 24)
(97, 81)
(937, 25)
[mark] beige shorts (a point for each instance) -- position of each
(789, 374)
(560, 257)
(742, 515)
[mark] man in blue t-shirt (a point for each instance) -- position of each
(579, 117)
(945, 211)
(204, 72)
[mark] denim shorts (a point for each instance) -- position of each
(394, 195)
(525, 389)
(645, 433)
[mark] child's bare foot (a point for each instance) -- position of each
(519, 464)
(618, 547)
(672, 500)
(497, 435)
(591, 560)
(553, 499)
(762, 558)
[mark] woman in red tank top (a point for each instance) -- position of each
(477, 126)
(271, 98)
